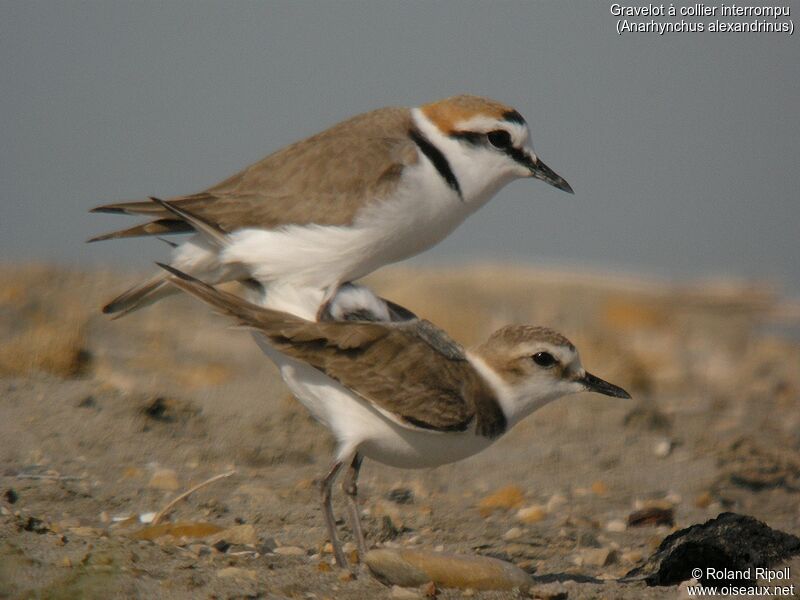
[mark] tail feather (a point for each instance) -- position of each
(139, 296)
(168, 218)
(139, 207)
(157, 227)
(246, 313)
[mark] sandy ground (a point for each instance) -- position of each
(102, 420)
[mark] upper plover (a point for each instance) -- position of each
(372, 190)
(387, 393)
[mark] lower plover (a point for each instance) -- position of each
(375, 189)
(388, 392)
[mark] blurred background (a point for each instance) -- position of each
(682, 148)
(674, 269)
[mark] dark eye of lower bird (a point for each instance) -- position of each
(544, 359)
(499, 138)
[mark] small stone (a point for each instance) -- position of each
(632, 556)
(403, 593)
(290, 551)
(662, 448)
(346, 576)
(598, 557)
(616, 526)
(549, 591)
(237, 573)
(164, 479)
(10, 496)
(105, 518)
(531, 514)
(556, 501)
(400, 495)
(704, 500)
(221, 546)
(86, 531)
(238, 534)
(132, 473)
(268, 546)
(513, 534)
(599, 488)
(653, 515)
(324, 567)
(429, 590)
(412, 568)
(510, 496)
(65, 562)
(200, 549)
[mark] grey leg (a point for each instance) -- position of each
(327, 510)
(350, 488)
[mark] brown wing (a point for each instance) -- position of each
(323, 179)
(394, 368)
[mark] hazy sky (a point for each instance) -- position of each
(682, 148)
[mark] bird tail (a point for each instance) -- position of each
(139, 296)
(246, 313)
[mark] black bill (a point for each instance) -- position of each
(539, 170)
(595, 384)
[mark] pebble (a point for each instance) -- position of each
(404, 593)
(703, 500)
(510, 496)
(632, 556)
(513, 534)
(616, 526)
(290, 551)
(239, 534)
(653, 515)
(164, 479)
(531, 514)
(412, 568)
(556, 501)
(599, 488)
(662, 448)
(596, 557)
(549, 591)
(400, 495)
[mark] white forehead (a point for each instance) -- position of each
(486, 123)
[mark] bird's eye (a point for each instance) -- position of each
(499, 138)
(544, 359)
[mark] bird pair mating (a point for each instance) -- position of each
(306, 221)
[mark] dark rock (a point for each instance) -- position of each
(400, 496)
(652, 515)
(221, 546)
(11, 496)
(730, 542)
(169, 410)
(268, 546)
(34, 525)
(88, 402)
(388, 530)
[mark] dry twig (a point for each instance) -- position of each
(165, 511)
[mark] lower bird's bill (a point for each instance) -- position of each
(595, 384)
